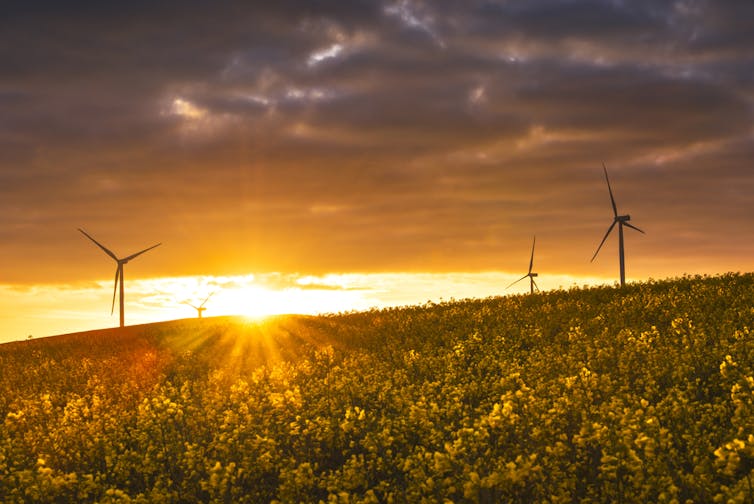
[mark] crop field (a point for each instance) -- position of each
(641, 394)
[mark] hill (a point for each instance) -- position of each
(643, 394)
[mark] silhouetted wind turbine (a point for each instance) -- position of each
(532, 283)
(621, 220)
(118, 272)
(199, 309)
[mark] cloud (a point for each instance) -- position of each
(370, 136)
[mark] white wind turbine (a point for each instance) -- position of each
(532, 283)
(621, 220)
(118, 272)
(199, 309)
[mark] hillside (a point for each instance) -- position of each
(644, 394)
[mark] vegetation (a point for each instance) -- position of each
(644, 394)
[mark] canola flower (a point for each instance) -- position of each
(644, 394)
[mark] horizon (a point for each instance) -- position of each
(257, 297)
(389, 140)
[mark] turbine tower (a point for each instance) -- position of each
(199, 309)
(532, 283)
(118, 272)
(621, 220)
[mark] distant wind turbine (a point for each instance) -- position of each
(199, 309)
(621, 220)
(118, 272)
(532, 283)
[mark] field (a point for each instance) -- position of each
(644, 394)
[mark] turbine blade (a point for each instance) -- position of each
(514, 283)
(126, 259)
(531, 261)
(633, 227)
(105, 249)
(612, 200)
(207, 299)
(115, 289)
(187, 303)
(603, 240)
(535, 285)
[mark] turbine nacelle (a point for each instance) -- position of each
(623, 218)
(533, 274)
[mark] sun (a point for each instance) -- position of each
(252, 301)
(251, 297)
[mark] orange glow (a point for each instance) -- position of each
(414, 137)
(44, 310)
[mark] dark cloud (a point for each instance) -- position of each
(594, 19)
(393, 135)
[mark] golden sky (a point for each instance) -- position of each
(307, 139)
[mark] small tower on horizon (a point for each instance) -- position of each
(199, 309)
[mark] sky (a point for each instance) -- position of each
(357, 151)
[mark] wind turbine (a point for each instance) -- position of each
(532, 283)
(199, 309)
(621, 220)
(118, 272)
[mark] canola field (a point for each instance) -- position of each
(642, 394)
